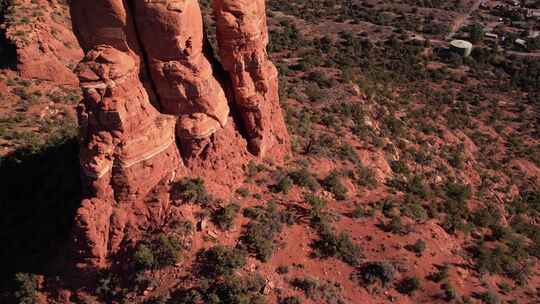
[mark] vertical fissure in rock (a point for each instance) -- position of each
(225, 81)
(145, 70)
(185, 146)
(114, 182)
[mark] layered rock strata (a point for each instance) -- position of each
(154, 110)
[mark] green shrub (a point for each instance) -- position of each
(522, 225)
(528, 202)
(304, 178)
(365, 177)
(347, 152)
(282, 269)
(399, 167)
(417, 247)
(508, 258)
(487, 216)
(160, 299)
(449, 292)
(332, 183)
(396, 226)
(257, 241)
(167, 250)
(145, 280)
(220, 261)
(321, 145)
(243, 192)
(224, 216)
(476, 32)
(372, 272)
(260, 232)
(456, 222)
(239, 290)
(160, 252)
(308, 285)
(362, 211)
(191, 190)
(408, 285)
(489, 297)
(230, 289)
(284, 185)
(457, 191)
(440, 275)
(253, 169)
(414, 210)
(26, 289)
(394, 127)
(318, 290)
(321, 79)
(339, 245)
(181, 227)
(143, 257)
(456, 207)
(108, 285)
(416, 187)
(314, 92)
(505, 288)
(318, 215)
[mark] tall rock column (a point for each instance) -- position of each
(127, 146)
(153, 110)
(242, 35)
(171, 34)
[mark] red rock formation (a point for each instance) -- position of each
(182, 75)
(45, 44)
(146, 83)
(243, 36)
(127, 145)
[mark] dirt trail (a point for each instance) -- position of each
(462, 19)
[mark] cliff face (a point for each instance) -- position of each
(154, 110)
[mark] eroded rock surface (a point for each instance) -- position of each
(154, 110)
(243, 36)
(42, 39)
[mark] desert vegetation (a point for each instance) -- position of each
(413, 174)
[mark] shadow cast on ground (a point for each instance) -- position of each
(40, 194)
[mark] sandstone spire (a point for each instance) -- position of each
(243, 37)
(153, 108)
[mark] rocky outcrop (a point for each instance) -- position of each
(127, 145)
(243, 37)
(172, 35)
(154, 109)
(42, 39)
